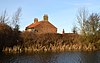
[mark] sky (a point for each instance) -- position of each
(61, 13)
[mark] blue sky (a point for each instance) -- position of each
(62, 13)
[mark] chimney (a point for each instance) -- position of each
(35, 20)
(63, 31)
(45, 17)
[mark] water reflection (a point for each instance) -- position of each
(64, 57)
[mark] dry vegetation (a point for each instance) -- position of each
(12, 40)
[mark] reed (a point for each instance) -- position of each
(51, 48)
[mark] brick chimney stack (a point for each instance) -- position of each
(35, 20)
(63, 31)
(45, 17)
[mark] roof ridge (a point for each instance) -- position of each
(37, 23)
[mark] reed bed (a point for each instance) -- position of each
(50, 48)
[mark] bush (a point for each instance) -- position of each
(28, 38)
(48, 38)
(5, 35)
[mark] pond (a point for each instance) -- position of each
(50, 57)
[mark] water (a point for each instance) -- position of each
(64, 57)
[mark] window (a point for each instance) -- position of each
(33, 30)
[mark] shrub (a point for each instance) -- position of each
(5, 35)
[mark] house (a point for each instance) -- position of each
(41, 27)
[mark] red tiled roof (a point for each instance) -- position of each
(38, 23)
(33, 25)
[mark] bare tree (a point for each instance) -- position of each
(94, 22)
(4, 18)
(74, 30)
(89, 24)
(82, 18)
(9, 35)
(16, 18)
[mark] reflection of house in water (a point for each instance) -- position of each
(43, 26)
